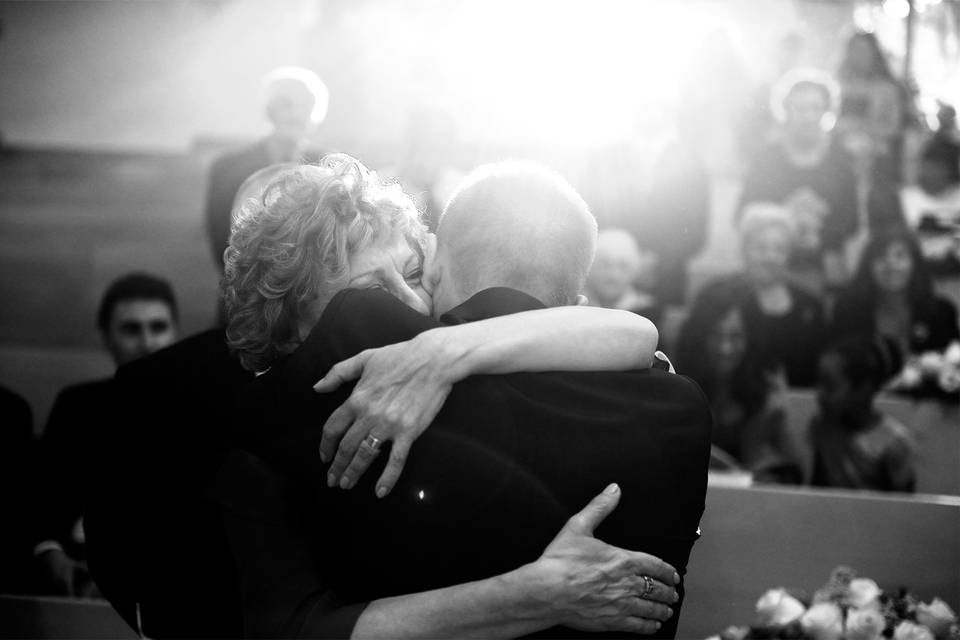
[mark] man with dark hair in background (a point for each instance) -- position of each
(137, 316)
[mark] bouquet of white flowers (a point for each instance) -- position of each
(848, 608)
(933, 368)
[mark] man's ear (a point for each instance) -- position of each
(582, 300)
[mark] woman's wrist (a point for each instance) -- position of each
(528, 598)
(449, 357)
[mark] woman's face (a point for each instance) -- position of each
(765, 254)
(806, 109)
(727, 343)
(893, 268)
(396, 266)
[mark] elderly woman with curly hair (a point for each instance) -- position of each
(316, 231)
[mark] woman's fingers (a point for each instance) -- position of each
(346, 451)
(659, 593)
(334, 428)
(343, 371)
(366, 453)
(390, 475)
(646, 565)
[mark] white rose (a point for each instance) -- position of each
(931, 362)
(777, 607)
(864, 593)
(864, 624)
(936, 616)
(911, 376)
(949, 380)
(952, 354)
(907, 630)
(823, 621)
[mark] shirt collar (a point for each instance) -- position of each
(489, 303)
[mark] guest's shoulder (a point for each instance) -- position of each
(368, 316)
(85, 391)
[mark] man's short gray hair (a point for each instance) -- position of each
(518, 224)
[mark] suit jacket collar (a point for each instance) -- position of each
(496, 301)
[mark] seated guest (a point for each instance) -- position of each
(295, 102)
(933, 205)
(892, 295)
(782, 319)
(716, 350)
(137, 316)
(615, 271)
(481, 491)
(854, 445)
(17, 502)
(806, 172)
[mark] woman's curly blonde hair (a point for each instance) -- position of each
(290, 248)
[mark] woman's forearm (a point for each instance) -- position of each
(557, 339)
(499, 607)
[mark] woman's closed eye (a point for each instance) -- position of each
(414, 275)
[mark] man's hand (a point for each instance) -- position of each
(401, 389)
(593, 586)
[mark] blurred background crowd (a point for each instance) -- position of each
(777, 185)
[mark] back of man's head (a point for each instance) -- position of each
(518, 225)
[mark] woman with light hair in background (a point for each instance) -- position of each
(785, 320)
(617, 268)
(317, 230)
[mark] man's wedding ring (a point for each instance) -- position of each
(647, 586)
(373, 442)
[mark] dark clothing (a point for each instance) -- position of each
(880, 458)
(67, 448)
(227, 174)
(932, 328)
(18, 457)
(774, 178)
(486, 487)
(153, 538)
(791, 341)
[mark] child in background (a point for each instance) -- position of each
(854, 445)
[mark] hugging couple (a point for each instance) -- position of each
(441, 494)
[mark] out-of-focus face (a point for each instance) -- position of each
(394, 265)
(893, 268)
(727, 343)
(612, 273)
(290, 112)
(833, 387)
(138, 328)
(766, 252)
(805, 109)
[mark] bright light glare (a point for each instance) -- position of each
(565, 73)
(896, 8)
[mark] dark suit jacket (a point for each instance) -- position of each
(18, 499)
(68, 444)
(485, 489)
(153, 539)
